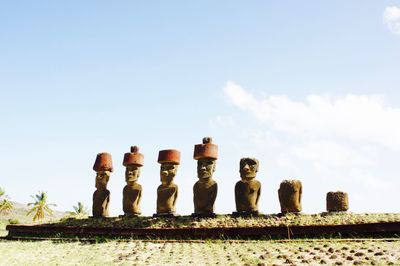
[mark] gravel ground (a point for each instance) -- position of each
(313, 252)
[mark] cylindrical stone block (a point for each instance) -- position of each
(103, 162)
(169, 156)
(133, 157)
(337, 201)
(206, 150)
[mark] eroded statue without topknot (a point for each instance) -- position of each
(290, 192)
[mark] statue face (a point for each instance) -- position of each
(168, 172)
(102, 178)
(248, 168)
(132, 173)
(205, 168)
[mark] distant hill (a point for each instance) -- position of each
(19, 213)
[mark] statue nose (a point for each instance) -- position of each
(164, 173)
(246, 168)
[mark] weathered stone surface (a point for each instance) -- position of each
(101, 197)
(205, 189)
(132, 193)
(248, 189)
(167, 192)
(290, 196)
(337, 201)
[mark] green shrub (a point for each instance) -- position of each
(13, 221)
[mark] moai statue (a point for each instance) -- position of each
(337, 201)
(132, 193)
(167, 192)
(205, 189)
(290, 196)
(101, 197)
(248, 189)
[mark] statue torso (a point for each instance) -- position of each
(131, 198)
(101, 199)
(204, 195)
(166, 197)
(247, 194)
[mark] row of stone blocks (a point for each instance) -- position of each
(247, 190)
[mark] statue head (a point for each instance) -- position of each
(133, 161)
(248, 168)
(169, 160)
(206, 155)
(132, 173)
(103, 167)
(168, 172)
(102, 178)
(205, 168)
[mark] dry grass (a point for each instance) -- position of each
(344, 252)
(228, 221)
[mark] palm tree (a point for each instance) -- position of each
(40, 206)
(6, 206)
(79, 210)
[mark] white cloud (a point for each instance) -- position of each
(355, 118)
(348, 143)
(391, 17)
(330, 153)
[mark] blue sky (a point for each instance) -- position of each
(310, 89)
